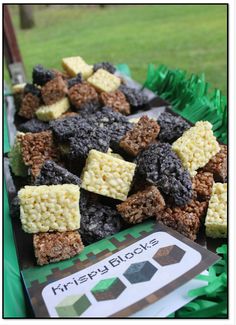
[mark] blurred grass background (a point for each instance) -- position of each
(188, 37)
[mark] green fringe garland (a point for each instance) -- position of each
(190, 97)
(211, 301)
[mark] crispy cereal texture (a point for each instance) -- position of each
(36, 148)
(196, 146)
(218, 165)
(104, 81)
(75, 65)
(106, 175)
(52, 112)
(140, 136)
(49, 208)
(216, 219)
(142, 205)
(56, 246)
(17, 164)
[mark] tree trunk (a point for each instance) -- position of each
(26, 16)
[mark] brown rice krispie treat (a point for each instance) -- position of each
(36, 148)
(140, 136)
(218, 165)
(53, 91)
(202, 185)
(81, 94)
(186, 219)
(142, 205)
(56, 246)
(117, 101)
(29, 105)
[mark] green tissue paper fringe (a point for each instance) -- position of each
(190, 97)
(211, 301)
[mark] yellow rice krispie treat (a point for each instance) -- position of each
(16, 161)
(52, 112)
(49, 208)
(196, 146)
(107, 175)
(75, 65)
(104, 81)
(216, 219)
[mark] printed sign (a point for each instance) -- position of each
(149, 262)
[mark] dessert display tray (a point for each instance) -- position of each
(23, 241)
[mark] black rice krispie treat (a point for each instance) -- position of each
(140, 136)
(136, 98)
(98, 221)
(114, 123)
(105, 66)
(53, 174)
(171, 127)
(41, 75)
(160, 166)
(34, 126)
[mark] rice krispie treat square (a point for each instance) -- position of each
(56, 246)
(216, 219)
(142, 205)
(16, 161)
(75, 65)
(116, 101)
(196, 146)
(202, 185)
(29, 105)
(104, 81)
(140, 136)
(106, 175)
(49, 208)
(186, 220)
(82, 94)
(54, 90)
(218, 165)
(36, 148)
(53, 111)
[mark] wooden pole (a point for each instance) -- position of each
(11, 49)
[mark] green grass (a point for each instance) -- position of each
(193, 38)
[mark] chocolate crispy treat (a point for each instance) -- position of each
(218, 165)
(53, 91)
(76, 80)
(53, 174)
(41, 75)
(36, 148)
(29, 106)
(105, 66)
(186, 220)
(202, 186)
(117, 101)
(172, 127)
(114, 123)
(87, 138)
(142, 205)
(81, 94)
(98, 221)
(56, 246)
(34, 126)
(162, 167)
(142, 134)
(64, 128)
(135, 97)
